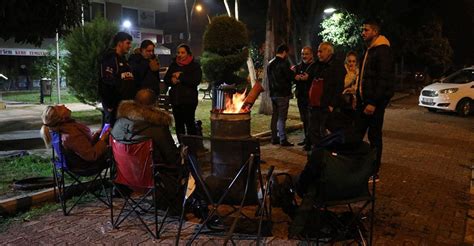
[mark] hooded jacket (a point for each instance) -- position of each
(138, 123)
(144, 75)
(376, 82)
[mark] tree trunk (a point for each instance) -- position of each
(277, 32)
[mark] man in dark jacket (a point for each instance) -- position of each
(375, 85)
(279, 80)
(116, 78)
(326, 87)
(304, 74)
(145, 66)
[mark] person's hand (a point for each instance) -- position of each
(304, 76)
(110, 110)
(297, 77)
(174, 80)
(154, 65)
(369, 109)
(177, 74)
(330, 109)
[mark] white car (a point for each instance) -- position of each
(453, 93)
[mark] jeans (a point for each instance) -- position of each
(184, 118)
(280, 107)
(372, 125)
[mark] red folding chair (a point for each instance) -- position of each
(134, 167)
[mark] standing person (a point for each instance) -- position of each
(183, 76)
(116, 77)
(145, 67)
(279, 80)
(375, 86)
(350, 82)
(325, 91)
(304, 75)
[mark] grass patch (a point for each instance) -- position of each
(88, 117)
(34, 97)
(22, 167)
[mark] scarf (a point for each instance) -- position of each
(185, 62)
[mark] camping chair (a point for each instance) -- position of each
(343, 181)
(97, 176)
(134, 168)
(206, 91)
(248, 173)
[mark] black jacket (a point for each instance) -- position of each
(185, 92)
(333, 73)
(144, 76)
(116, 81)
(376, 76)
(302, 86)
(279, 77)
(137, 123)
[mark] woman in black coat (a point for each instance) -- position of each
(184, 76)
(145, 67)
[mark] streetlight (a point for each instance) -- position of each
(127, 24)
(329, 10)
(198, 7)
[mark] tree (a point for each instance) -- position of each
(342, 29)
(30, 21)
(45, 66)
(277, 32)
(225, 50)
(86, 45)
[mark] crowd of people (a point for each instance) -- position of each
(327, 89)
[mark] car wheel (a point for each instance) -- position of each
(464, 107)
(432, 110)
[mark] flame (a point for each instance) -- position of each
(234, 104)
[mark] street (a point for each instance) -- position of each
(422, 197)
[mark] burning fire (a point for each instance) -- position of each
(234, 104)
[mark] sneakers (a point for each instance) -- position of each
(285, 143)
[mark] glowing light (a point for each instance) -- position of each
(329, 10)
(198, 7)
(234, 104)
(127, 24)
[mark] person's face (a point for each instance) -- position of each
(306, 55)
(369, 33)
(148, 52)
(324, 53)
(62, 111)
(351, 62)
(181, 54)
(124, 46)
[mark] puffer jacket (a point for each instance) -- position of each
(136, 123)
(279, 77)
(376, 81)
(184, 92)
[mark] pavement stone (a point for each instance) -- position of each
(422, 198)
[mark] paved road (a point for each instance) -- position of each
(422, 197)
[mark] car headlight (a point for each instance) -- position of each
(448, 91)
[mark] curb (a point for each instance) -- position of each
(13, 205)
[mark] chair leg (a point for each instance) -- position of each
(181, 217)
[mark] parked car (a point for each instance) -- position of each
(453, 93)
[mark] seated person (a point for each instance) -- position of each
(84, 150)
(139, 120)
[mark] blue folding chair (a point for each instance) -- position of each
(96, 178)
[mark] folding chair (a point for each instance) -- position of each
(134, 168)
(248, 172)
(342, 185)
(207, 91)
(96, 176)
